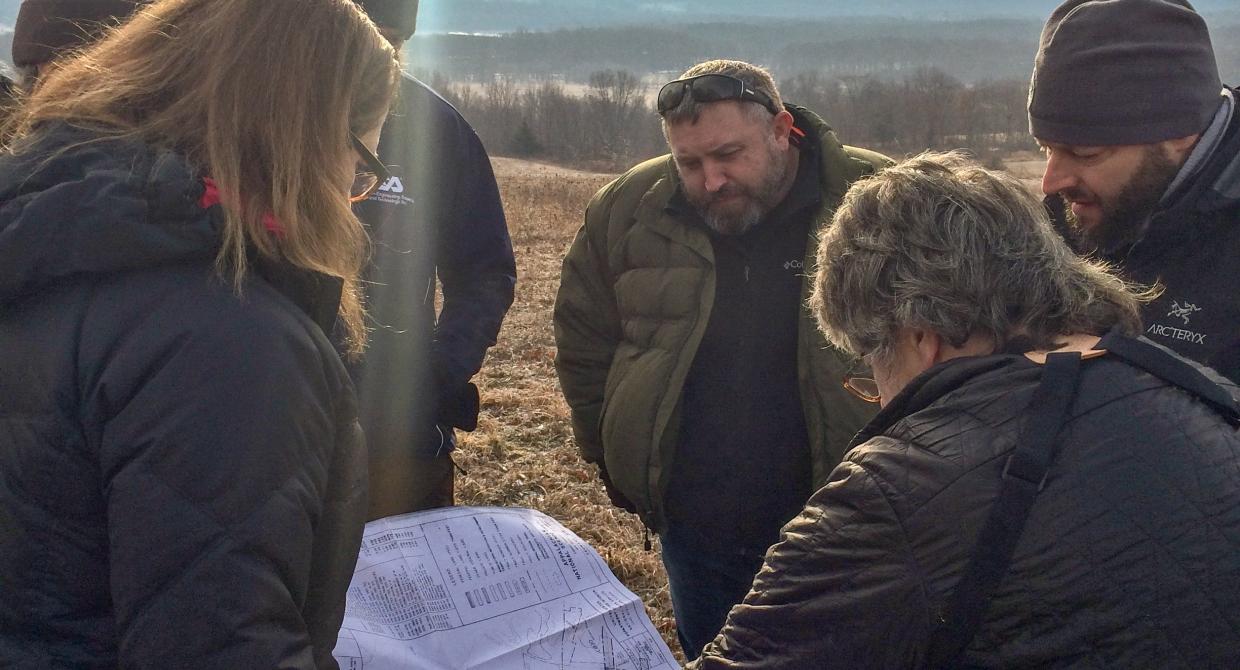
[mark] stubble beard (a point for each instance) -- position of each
(758, 202)
(1123, 219)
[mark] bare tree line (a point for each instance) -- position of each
(612, 124)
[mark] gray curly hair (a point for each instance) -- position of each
(939, 242)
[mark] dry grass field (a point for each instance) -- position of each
(522, 454)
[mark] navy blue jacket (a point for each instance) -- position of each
(182, 477)
(438, 217)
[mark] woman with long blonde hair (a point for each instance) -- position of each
(182, 482)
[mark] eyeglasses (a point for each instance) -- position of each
(366, 182)
(860, 382)
(710, 88)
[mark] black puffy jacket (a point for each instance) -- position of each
(1130, 557)
(182, 479)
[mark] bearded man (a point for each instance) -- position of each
(697, 380)
(1143, 161)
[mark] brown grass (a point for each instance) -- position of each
(522, 454)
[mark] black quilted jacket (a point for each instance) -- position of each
(1130, 557)
(182, 481)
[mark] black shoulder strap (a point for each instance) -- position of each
(1025, 474)
(1023, 477)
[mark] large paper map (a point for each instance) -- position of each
(493, 589)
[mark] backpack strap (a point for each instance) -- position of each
(1173, 370)
(1024, 475)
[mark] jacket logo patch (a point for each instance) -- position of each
(392, 192)
(798, 265)
(1175, 333)
(1182, 312)
(393, 185)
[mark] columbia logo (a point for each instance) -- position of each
(393, 185)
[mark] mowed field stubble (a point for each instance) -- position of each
(522, 454)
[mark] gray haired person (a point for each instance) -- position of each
(1042, 487)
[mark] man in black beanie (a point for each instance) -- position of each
(1143, 161)
(438, 217)
(45, 29)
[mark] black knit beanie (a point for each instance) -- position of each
(44, 28)
(1114, 72)
(400, 15)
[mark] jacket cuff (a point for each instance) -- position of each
(460, 409)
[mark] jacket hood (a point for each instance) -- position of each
(1216, 187)
(1222, 175)
(75, 205)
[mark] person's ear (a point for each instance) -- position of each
(781, 125)
(1177, 149)
(929, 347)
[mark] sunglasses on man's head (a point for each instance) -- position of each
(367, 181)
(710, 88)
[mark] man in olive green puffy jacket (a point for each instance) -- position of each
(697, 380)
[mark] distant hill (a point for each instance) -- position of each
(970, 50)
(510, 15)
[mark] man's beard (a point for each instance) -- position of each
(757, 202)
(1124, 217)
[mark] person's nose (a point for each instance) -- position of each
(1059, 176)
(716, 177)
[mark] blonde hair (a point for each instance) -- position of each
(260, 95)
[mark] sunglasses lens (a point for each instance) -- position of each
(713, 88)
(364, 183)
(703, 88)
(671, 95)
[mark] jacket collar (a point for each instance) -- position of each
(1205, 150)
(1218, 181)
(1209, 183)
(931, 386)
(316, 294)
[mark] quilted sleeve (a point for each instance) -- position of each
(839, 590)
(217, 435)
(587, 326)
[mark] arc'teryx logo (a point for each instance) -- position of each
(1179, 311)
(1183, 312)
